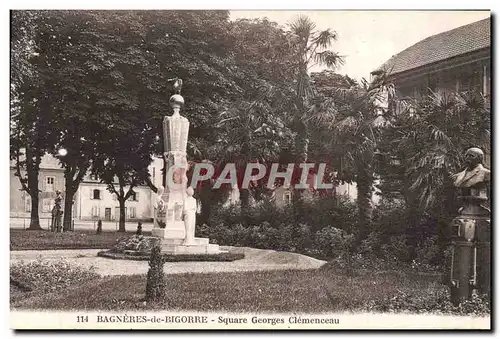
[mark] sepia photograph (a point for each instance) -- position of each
(250, 170)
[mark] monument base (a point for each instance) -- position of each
(172, 242)
(172, 232)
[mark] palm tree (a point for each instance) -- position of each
(430, 137)
(313, 49)
(434, 133)
(354, 113)
(251, 132)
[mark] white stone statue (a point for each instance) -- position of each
(189, 216)
(160, 207)
(159, 203)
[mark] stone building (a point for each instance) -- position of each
(452, 61)
(51, 179)
(92, 201)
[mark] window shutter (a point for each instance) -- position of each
(91, 194)
(137, 196)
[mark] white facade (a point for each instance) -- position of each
(93, 201)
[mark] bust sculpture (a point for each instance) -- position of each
(475, 179)
(470, 229)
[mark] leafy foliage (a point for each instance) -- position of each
(48, 276)
(312, 48)
(352, 113)
(436, 300)
(156, 286)
(433, 134)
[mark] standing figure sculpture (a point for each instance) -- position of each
(57, 213)
(189, 216)
(470, 267)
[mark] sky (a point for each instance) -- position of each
(369, 38)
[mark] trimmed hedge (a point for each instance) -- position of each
(227, 256)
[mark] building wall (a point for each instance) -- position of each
(107, 206)
(50, 180)
(451, 78)
(469, 76)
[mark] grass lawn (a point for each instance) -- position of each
(45, 240)
(301, 291)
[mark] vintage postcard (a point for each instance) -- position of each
(276, 170)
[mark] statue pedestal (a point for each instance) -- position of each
(172, 240)
(175, 230)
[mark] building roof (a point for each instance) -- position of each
(442, 46)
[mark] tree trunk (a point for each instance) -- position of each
(206, 203)
(68, 208)
(365, 207)
(35, 219)
(121, 223)
(32, 174)
(301, 156)
(244, 199)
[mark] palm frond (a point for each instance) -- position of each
(325, 39)
(302, 26)
(329, 59)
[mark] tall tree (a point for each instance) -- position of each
(253, 129)
(30, 132)
(64, 47)
(313, 48)
(352, 111)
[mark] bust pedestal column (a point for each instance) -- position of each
(471, 232)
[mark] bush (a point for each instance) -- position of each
(290, 228)
(397, 249)
(333, 242)
(432, 300)
(428, 253)
(155, 285)
(48, 276)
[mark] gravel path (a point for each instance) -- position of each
(255, 260)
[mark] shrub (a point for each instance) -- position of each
(432, 300)
(155, 285)
(49, 276)
(332, 242)
(371, 245)
(288, 228)
(428, 252)
(396, 249)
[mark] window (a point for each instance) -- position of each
(154, 174)
(95, 194)
(95, 211)
(47, 205)
(134, 196)
(27, 204)
(132, 212)
(114, 197)
(49, 184)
